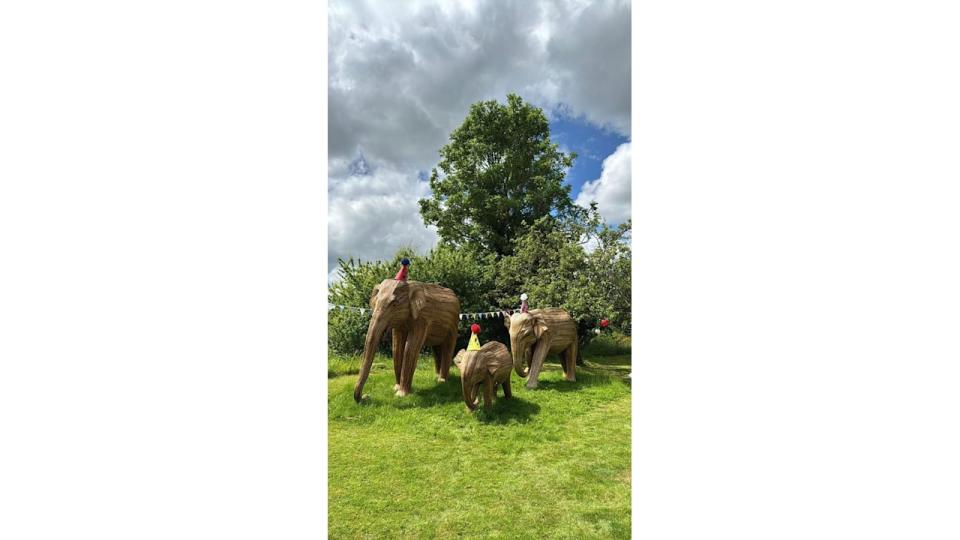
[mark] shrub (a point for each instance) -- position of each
(346, 330)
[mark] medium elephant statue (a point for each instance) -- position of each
(419, 314)
(538, 332)
(489, 366)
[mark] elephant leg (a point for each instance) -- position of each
(570, 362)
(536, 364)
(398, 342)
(488, 393)
(446, 357)
(507, 394)
(437, 359)
(415, 339)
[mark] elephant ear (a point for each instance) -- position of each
(373, 296)
(506, 319)
(540, 327)
(418, 299)
(458, 359)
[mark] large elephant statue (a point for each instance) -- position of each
(419, 314)
(538, 332)
(489, 366)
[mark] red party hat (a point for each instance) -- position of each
(402, 274)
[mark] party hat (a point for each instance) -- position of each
(474, 344)
(523, 303)
(402, 274)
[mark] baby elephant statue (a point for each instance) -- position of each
(489, 366)
(542, 331)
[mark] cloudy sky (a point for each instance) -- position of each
(403, 75)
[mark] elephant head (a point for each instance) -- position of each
(395, 304)
(525, 329)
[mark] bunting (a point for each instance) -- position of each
(482, 315)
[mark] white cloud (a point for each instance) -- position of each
(612, 190)
(372, 216)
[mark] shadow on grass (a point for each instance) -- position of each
(584, 379)
(506, 410)
(438, 394)
(562, 386)
(503, 410)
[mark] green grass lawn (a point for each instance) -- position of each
(550, 463)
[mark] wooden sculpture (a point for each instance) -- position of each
(419, 314)
(535, 333)
(489, 365)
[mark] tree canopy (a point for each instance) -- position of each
(499, 173)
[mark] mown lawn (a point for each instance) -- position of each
(551, 463)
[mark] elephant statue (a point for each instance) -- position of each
(419, 314)
(489, 366)
(538, 332)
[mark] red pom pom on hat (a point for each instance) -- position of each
(604, 323)
(474, 344)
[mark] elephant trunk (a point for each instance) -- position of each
(374, 334)
(469, 396)
(466, 382)
(519, 358)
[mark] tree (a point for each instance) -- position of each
(498, 174)
(552, 265)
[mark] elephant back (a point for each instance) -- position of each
(442, 301)
(562, 325)
(553, 315)
(497, 355)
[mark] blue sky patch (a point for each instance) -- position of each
(592, 145)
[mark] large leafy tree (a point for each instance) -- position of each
(499, 173)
